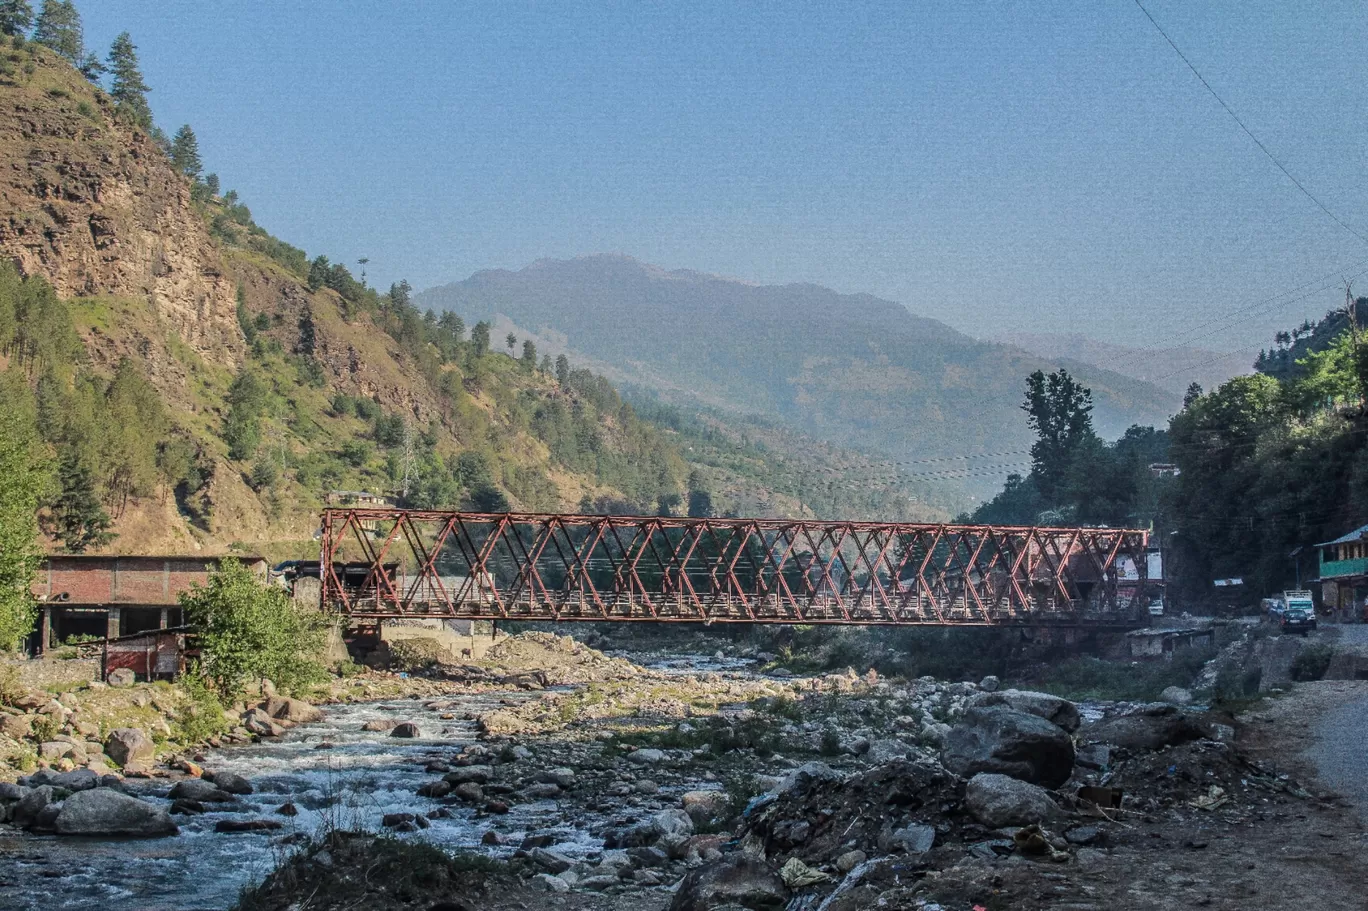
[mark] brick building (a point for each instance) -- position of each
(109, 597)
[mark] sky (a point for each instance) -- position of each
(1003, 166)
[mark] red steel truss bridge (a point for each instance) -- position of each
(391, 563)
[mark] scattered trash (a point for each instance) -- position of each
(1215, 797)
(798, 875)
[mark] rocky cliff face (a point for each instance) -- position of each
(95, 207)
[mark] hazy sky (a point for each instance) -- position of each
(1001, 166)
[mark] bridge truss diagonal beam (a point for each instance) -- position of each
(391, 563)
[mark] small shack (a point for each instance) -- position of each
(153, 655)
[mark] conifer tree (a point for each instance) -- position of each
(80, 519)
(127, 86)
(16, 16)
(92, 68)
(59, 28)
(185, 152)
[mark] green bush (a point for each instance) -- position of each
(200, 715)
(1095, 678)
(1311, 662)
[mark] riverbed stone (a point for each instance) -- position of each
(647, 756)
(185, 807)
(295, 711)
(551, 860)
(78, 780)
(704, 806)
(550, 883)
(199, 789)
(103, 811)
(234, 826)
(437, 789)
(377, 725)
(406, 729)
(741, 880)
(232, 783)
(121, 677)
(1000, 800)
(125, 745)
(26, 810)
(479, 774)
(468, 791)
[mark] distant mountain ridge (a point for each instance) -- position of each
(850, 368)
(1171, 369)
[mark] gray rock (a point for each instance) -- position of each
(295, 711)
(704, 806)
(1094, 756)
(1084, 835)
(121, 677)
(990, 684)
(480, 774)
(737, 881)
(1001, 740)
(232, 783)
(914, 839)
(999, 800)
(850, 860)
(9, 791)
(803, 777)
(541, 791)
(79, 780)
(550, 883)
(26, 810)
(258, 722)
(1052, 708)
(406, 729)
(104, 811)
(887, 750)
(199, 789)
(1151, 728)
(550, 860)
(1176, 695)
(234, 826)
(125, 745)
(647, 756)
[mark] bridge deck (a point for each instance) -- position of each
(498, 566)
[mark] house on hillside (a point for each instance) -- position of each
(91, 597)
(1344, 574)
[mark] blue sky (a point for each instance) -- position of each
(1002, 166)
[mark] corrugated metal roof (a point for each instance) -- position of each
(1355, 535)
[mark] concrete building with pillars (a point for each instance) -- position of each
(109, 597)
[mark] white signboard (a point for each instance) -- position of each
(1222, 583)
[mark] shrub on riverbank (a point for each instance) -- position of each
(252, 631)
(1095, 678)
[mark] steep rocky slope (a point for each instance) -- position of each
(95, 206)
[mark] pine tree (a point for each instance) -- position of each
(529, 356)
(211, 183)
(92, 68)
(127, 86)
(59, 28)
(80, 519)
(511, 341)
(185, 152)
(16, 16)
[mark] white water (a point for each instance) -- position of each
(350, 784)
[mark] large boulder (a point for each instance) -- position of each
(1001, 740)
(77, 780)
(125, 745)
(1152, 727)
(295, 711)
(1052, 708)
(999, 800)
(105, 811)
(259, 722)
(28, 807)
(406, 729)
(736, 882)
(121, 676)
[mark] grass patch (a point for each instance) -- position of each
(1095, 678)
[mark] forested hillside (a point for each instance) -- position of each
(852, 369)
(1265, 464)
(192, 381)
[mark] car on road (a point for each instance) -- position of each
(1297, 620)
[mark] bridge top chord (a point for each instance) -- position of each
(380, 562)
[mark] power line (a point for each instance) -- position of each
(1248, 132)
